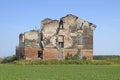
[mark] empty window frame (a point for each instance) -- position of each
(61, 24)
(61, 44)
(61, 41)
(40, 54)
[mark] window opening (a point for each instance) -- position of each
(61, 24)
(40, 54)
(61, 44)
(61, 41)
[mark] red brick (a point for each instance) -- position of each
(50, 54)
(31, 53)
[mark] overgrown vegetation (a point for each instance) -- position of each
(114, 60)
(1, 60)
(9, 59)
(77, 56)
(66, 62)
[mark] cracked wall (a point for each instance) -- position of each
(57, 38)
(49, 28)
(69, 33)
(77, 32)
(28, 45)
(31, 39)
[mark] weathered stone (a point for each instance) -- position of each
(57, 38)
(28, 45)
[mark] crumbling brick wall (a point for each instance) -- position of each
(57, 38)
(29, 45)
(50, 53)
(31, 53)
(68, 35)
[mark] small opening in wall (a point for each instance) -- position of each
(61, 24)
(61, 44)
(40, 54)
(61, 41)
(79, 26)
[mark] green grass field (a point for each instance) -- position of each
(59, 72)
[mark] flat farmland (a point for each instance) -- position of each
(59, 72)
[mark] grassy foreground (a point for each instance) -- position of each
(59, 72)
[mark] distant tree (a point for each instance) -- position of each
(9, 59)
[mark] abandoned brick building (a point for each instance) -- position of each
(57, 38)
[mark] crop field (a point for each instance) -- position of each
(59, 72)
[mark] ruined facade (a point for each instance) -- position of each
(57, 38)
(28, 45)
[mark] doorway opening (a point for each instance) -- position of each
(40, 54)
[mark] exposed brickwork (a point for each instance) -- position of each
(70, 51)
(19, 52)
(88, 53)
(50, 54)
(53, 53)
(57, 38)
(31, 53)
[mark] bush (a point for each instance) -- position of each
(68, 56)
(77, 56)
(84, 58)
(66, 62)
(9, 59)
(1, 60)
(13, 60)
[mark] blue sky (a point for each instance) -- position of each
(18, 16)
